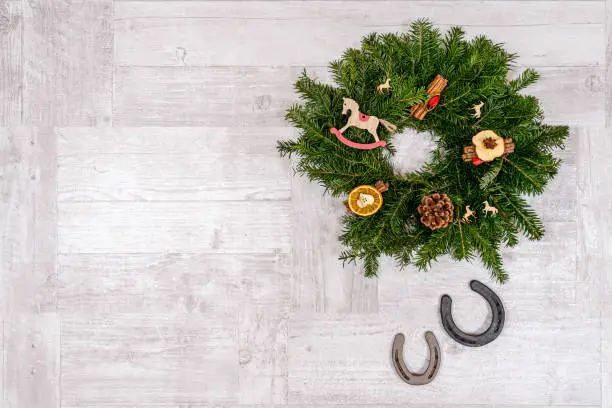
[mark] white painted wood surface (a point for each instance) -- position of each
(28, 283)
(156, 252)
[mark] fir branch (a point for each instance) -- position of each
(370, 263)
(435, 246)
(489, 176)
(527, 78)
(490, 257)
(464, 253)
(526, 218)
(537, 185)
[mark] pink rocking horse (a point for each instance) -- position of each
(361, 121)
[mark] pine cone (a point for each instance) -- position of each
(436, 211)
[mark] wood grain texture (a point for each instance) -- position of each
(11, 69)
(606, 353)
(604, 262)
(594, 194)
(263, 333)
(171, 164)
(177, 96)
(259, 96)
(148, 358)
(176, 329)
(269, 37)
(68, 62)
(141, 227)
(564, 12)
(594, 254)
(608, 66)
(204, 285)
(28, 281)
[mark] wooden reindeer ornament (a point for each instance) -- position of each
(477, 109)
(361, 121)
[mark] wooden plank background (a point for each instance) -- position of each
(156, 252)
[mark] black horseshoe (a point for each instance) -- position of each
(476, 339)
(424, 377)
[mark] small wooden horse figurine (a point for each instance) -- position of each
(361, 121)
(381, 87)
(489, 208)
(468, 213)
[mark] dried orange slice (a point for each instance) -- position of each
(360, 203)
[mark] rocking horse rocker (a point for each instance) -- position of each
(361, 121)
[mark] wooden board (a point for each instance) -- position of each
(149, 33)
(594, 189)
(28, 282)
(68, 62)
(564, 12)
(152, 227)
(11, 69)
(608, 66)
(606, 361)
(148, 358)
(164, 329)
(171, 164)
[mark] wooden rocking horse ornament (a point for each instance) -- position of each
(361, 121)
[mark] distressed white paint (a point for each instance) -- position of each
(307, 33)
(67, 62)
(28, 278)
(259, 96)
(171, 164)
(11, 69)
(194, 270)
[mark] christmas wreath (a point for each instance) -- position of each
(491, 147)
